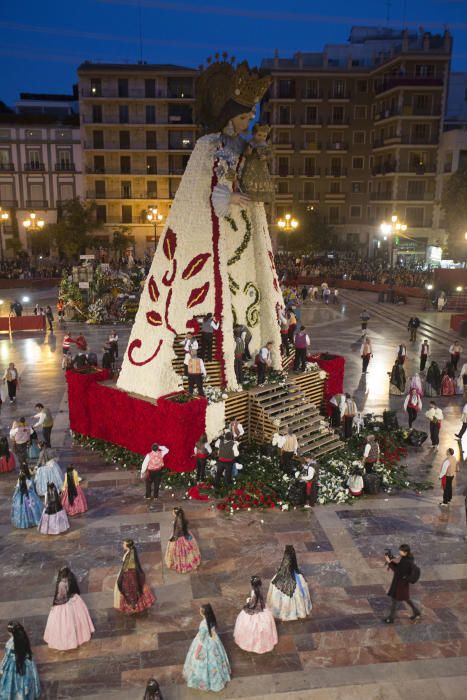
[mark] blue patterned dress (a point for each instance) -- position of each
(13, 686)
(206, 665)
(26, 511)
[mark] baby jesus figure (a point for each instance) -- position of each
(256, 181)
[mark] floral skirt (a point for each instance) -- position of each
(69, 625)
(294, 607)
(53, 524)
(79, 504)
(183, 555)
(256, 632)
(143, 600)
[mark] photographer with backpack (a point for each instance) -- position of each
(405, 572)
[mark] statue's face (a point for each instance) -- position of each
(241, 122)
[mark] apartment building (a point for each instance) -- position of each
(356, 130)
(137, 133)
(40, 162)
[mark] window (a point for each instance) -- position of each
(338, 88)
(123, 114)
(66, 191)
(283, 137)
(309, 169)
(360, 111)
(447, 167)
(284, 115)
(151, 189)
(150, 87)
(151, 139)
(36, 194)
(425, 70)
(338, 114)
(286, 89)
(333, 215)
(127, 214)
(97, 114)
(311, 114)
(359, 137)
(415, 189)
(101, 213)
(96, 87)
(357, 187)
(123, 87)
(33, 159)
(125, 164)
(64, 158)
(310, 140)
(100, 188)
(414, 216)
(6, 193)
(124, 137)
(98, 139)
(308, 190)
(179, 87)
(283, 187)
(150, 114)
(282, 166)
(335, 188)
(180, 114)
(336, 167)
(151, 165)
(356, 211)
(4, 158)
(421, 104)
(362, 86)
(462, 160)
(125, 189)
(420, 133)
(358, 163)
(99, 164)
(181, 140)
(311, 89)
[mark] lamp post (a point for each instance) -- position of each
(34, 223)
(4, 216)
(390, 230)
(287, 224)
(155, 218)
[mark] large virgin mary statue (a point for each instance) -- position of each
(215, 254)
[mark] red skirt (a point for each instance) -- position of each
(134, 602)
(79, 504)
(8, 465)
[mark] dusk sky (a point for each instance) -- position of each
(43, 42)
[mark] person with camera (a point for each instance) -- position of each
(405, 572)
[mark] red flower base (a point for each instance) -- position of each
(196, 492)
(254, 495)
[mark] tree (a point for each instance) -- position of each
(312, 236)
(72, 233)
(454, 205)
(121, 241)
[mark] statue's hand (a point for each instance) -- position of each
(239, 199)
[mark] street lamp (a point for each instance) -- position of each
(4, 216)
(34, 223)
(287, 224)
(391, 229)
(155, 218)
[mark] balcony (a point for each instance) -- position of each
(9, 203)
(382, 196)
(34, 166)
(312, 95)
(337, 146)
(7, 167)
(313, 121)
(312, 146)
(418, 169)
(335, 196)
(339, 95)
(138, 94)
(385, 168)
(311, 172)
(65, 167)
(417, 197)
(90, 194)
(336, 172)
(285, 146)
(171, 121)
(407, 81)
(37, 204)
(405, 140)
(345, 121)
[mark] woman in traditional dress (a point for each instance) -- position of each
(182, 553)
(288, 594)
(54, 520)
(47, 470)
(255, 628)
(69, 624)
(448, 383)
(19, 679)
(219, 261)
(397, 380)
(131, 593)
(26, 506)
(7, 458)
(73, 498)
(206, 665)
(433, 380)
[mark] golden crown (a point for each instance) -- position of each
(248, 86)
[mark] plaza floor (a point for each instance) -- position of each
(344, 651)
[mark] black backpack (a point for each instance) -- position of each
(414, 574)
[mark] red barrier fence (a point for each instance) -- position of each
(42, 283)
(363, 286)
(22, 323)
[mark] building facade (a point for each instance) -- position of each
(356, 130)
(40, 163)
(137, 133)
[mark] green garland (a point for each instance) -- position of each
(246, 238)
(252, 311)
(233, 285)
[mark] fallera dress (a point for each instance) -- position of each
(295, 606)
(54, 520)
(255, 629)
(182, 554)
(69, 624)
(131, 592)
(206, 665)
(73, 503)
(26, 509)
(50, 472)
(13, 685)
(8, 464)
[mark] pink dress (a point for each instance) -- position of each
(255, 629)
(79, 504)
(69, 624)
(183, 554)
